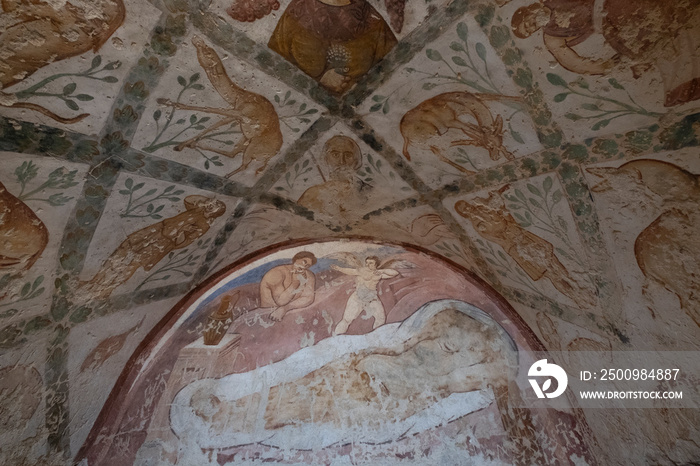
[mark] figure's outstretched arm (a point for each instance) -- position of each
(346, 270)
(572, 61)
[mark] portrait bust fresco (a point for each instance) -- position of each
(333, 41)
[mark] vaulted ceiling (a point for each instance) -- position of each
(147, 145)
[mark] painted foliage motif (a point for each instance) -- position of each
(322, 339)
(57, 32)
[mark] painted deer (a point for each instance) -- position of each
(431, 119)
(37, 33)
(253, 113)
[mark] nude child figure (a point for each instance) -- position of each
(365, 296)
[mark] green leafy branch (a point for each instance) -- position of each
(382, 102)
(463, 158)
(67, 94)
(29, 290)
(482, 81)
(302, 114)
(177, 263)
(214, 159)
(58, 179)
(134, 207)
(373, 168)
(503, 267)
(615, 108)
(451, 250)
(194, 122)
(538, 211)
(291, 178)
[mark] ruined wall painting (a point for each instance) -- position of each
(619, 66)
(23, 236)
(666, 250)
(34, 201)
(574, 355)
(57, 32)
(534, 255)
(21, 393)
(264, 225)
(643, 35)
(292, 387)
(146, 247)
(224, 117)
(365, 297)
(106, 349)
(342, 193)
(428, 229)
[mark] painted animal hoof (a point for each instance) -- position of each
(185, 145)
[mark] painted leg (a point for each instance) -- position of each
(352, 310)
(376, 309)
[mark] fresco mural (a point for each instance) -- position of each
(306, 384)
(64, 59)
(343, 158)
(106, 343)
(252, 114)
(437, 115)
(335, 41)
(667, 239)
(670, 51)
(145, 248)
(550, 149)
(341, 179)
(533, 254)
(24, 236)
(34, 200)
(65, 32)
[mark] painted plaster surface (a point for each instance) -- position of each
(549, 148)
(279, 387)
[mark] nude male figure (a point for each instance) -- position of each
(365, 297)
(290, 286)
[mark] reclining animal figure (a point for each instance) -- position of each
(57, 33)
(425, 124)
